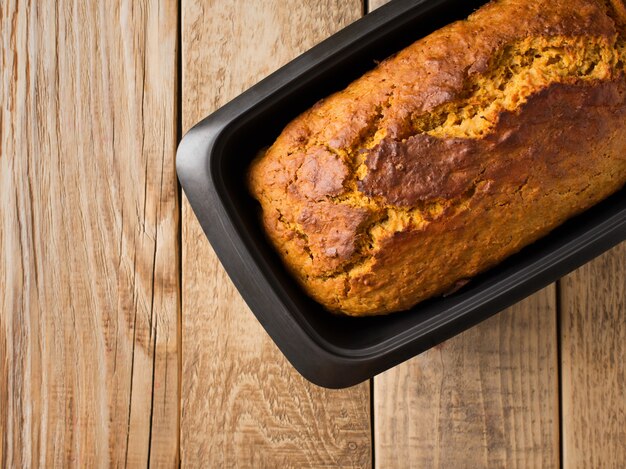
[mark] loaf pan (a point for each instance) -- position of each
(330, 350)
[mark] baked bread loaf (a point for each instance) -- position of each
(451, 155)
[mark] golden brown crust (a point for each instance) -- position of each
(422, 167)
(450, 156)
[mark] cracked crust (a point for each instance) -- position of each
(450, 156)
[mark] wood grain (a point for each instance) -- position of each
(486, 398)
(373, 4)
(89, 279)
(88, 235)
(242, 403)
(593, 354)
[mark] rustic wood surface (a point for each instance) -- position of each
(88, 235)
(123, 342)
(243, 405)
(593, 352)
(373, 4)
(486, 398)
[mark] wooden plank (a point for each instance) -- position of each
(486, 398)
(243, 405)
(89, 300)
(373, 4)
(593, 355)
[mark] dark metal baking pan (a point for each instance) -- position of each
(330, 350)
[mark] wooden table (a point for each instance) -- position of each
(122, 341)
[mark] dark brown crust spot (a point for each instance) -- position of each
(420, 168)
(322, 174)
(331, 229)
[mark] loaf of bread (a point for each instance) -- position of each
(453, 154)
